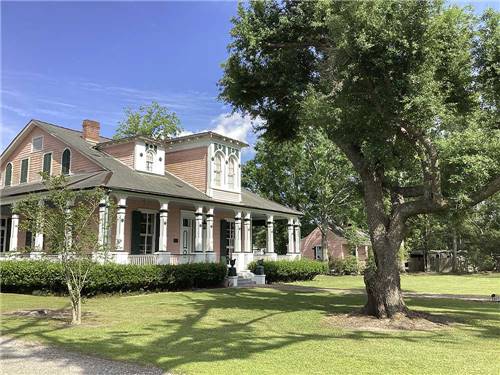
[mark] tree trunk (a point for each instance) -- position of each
(383, 286)
(324, 243)
(76, 304)
(455, 251)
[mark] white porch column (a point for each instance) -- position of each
(39, 235)
(291, 237)
(14, 232)
(237, 232)
(121, 208)
(270, 234)
(38, 241)
(103, 223)
(198, 236)
(163, 245)
(210, 230)
(247, 227)
(297, 236)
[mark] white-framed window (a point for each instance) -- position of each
(147, 233)
(218, 166)
(37, 144)
(231, 173)
(318, 252)
(8, 175)
(66, 162)
(150, 158)
(47, 163)
(23, 176)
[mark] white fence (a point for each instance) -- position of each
(143, 259)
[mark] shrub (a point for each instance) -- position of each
(296, 270)
(26, 276)
(346, 266)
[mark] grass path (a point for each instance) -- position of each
(480, 284)
(265, 331)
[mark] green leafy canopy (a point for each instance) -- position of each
(152, 121)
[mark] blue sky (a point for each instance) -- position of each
(63, 62)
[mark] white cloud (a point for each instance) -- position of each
(234, 126)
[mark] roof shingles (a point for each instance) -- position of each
(117, 176)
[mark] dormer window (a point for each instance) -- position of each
(218, 169)
(150, 158)
(231, 174)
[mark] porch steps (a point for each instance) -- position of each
(244, 282)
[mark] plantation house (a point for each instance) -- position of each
(178, 201)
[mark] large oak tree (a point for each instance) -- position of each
(407, 90)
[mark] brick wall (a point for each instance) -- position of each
(337, 246)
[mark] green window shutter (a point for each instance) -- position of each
(66, 162)
(136, 232)
(47, 163)
(157, 232)
(8, 175)
(24, 170)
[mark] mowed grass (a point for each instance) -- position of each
(479, 284)
(263, 331)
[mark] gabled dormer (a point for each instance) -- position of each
(209, 161)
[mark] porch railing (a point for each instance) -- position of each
(142, 259)
(192, 258)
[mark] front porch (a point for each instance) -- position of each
(149, 230)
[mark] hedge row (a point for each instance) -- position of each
(296, 270)
(26, 276)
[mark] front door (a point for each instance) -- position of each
(227, 240)
(187, 235)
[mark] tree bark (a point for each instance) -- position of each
(455, 251)
(324, 243)
(76, 304)
(383, 285)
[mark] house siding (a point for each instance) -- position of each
(189, 165)
(79, 163)
(123, 152)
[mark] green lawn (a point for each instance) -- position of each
(263, 331)
(481, 284)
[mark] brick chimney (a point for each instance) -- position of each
(91, 131)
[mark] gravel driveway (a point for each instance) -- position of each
(24, 358)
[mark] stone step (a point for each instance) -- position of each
(245, 282)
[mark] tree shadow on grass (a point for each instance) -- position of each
(228, 324)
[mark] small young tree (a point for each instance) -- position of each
(153, 121)
(67, 219)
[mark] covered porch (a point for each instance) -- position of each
(156, 230)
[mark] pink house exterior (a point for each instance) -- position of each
(178, 201)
